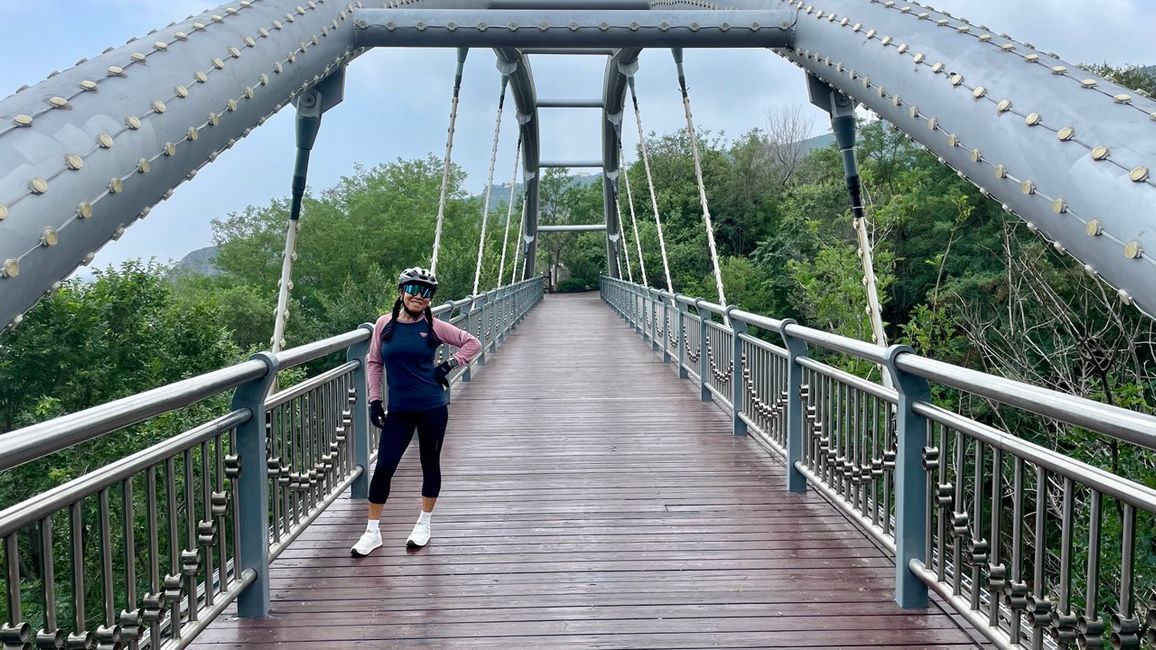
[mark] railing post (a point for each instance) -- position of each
(483, 330)
(253, 488)
(796, 348)
(738, 383)
(665, 329)
(652, 309)
(636, 317)
(910, 483)
(359, 489)
(703, 357)
(681, 315)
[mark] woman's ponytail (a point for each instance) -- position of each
(387, 331)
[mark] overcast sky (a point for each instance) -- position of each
(732, 91)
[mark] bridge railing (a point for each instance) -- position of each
(146, 551)
(1033, 547)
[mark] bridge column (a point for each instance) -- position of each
(738, 383)
(359, 489)
(253, 491)
(796, 348)
(910, 482)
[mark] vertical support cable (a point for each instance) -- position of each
(843, 124)
(433, 262)
(698, 176)
(490, 182)
(520, 244)
(622, 236)
(633, 218)
(650, 183)
(510, 210)
(308, 124)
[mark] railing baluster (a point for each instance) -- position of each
(131, 616)
(206, 531)
(16, 632)
(12, 571)
(190, 558)
(1090, 626)
(79, 635)
(51, 632)
(997, 573)
(1125, 626)
(1063, 621)
(152, 600)
(978, 543)
(108, 591)
(1039, 604)
(1017, 592)
(172, 585)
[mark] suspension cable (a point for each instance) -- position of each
(433, 263)
(650, 183)
(490, 183)
(510, 210)
(622, 234)
(518, 244)
(634, 223)
(698, 176)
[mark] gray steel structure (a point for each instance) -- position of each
(86, 152)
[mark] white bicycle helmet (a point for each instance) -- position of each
(418, 274)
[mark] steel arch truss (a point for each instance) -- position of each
(88, 151)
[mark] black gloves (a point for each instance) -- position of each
(441, 373)
(377, 414)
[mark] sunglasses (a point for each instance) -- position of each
(418, 290)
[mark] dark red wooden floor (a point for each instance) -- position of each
(589, 499)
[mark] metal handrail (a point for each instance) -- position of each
(989, 521)
(38, 440)
(217, 502)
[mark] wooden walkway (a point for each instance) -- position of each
(589, 499)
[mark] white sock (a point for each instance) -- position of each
(373, 525)
(423, 518)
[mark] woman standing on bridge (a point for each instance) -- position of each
(405, 343)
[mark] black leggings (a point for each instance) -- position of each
(395, 438)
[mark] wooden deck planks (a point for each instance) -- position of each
(589, 499)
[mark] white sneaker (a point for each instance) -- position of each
(370, 540)
(419, 537)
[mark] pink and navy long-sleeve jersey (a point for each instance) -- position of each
(408, 360)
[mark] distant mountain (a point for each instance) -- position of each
(199, 262)
(817, 142)
(500, 194)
